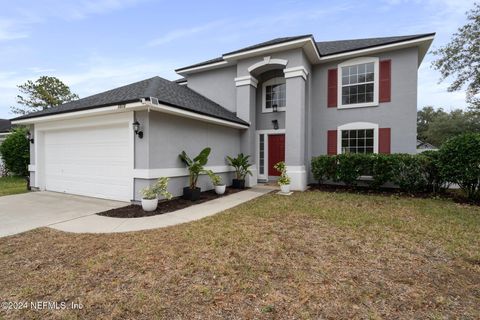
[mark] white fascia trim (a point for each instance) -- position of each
(246, 81)
(31, 168)
(376, 82)
(201, 68)
(273, 47)
(266, 61)
(82, 113)
(299, 71)
(192, 115)
(357, 126)
(174, 172)
(376, 49)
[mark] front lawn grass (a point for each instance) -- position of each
(12, 185)
(311, 255)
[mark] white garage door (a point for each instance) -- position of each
(93, 161)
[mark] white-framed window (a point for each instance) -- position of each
(357, 137)
(274, 93)
(358, 83)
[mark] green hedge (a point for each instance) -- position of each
(410, 173)
(458, 161)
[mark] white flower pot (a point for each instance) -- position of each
(149, 204)
(220, 189)
(285, 188)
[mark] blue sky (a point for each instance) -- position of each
(95, 45)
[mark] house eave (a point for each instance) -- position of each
(422, 43)
(141, 104)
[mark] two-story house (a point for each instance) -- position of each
(286, 99)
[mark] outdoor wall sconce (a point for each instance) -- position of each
(275, 108)
(29, 137)
(136, 129)
(275, 124)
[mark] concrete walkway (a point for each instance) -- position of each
(100, 224)
(27, 211)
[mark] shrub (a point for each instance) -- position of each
(241, 165)
(380, 168)
(323, 168)
(436, 181)
(408, 172)
(282, 168)
(349, 167)
(160, 187)
(216, 179)
(460, 163)
(15, 152)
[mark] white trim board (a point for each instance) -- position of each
(376, 82)
(137, 106)
(174, 172)
(357, 126)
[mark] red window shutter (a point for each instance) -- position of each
(385, 80)
(332, 88)
(384, 140)
(332, 142)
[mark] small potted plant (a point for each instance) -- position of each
(150, 194)
(284, 180)
(195, 168)
(241, 166)
(217, 182)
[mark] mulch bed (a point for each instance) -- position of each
(454, 195)
(136, 211)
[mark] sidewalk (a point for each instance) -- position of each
(100, 224)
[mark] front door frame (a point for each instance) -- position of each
(264, 176)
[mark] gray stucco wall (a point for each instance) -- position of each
(167, 136)
(399, 114)
(218, 85)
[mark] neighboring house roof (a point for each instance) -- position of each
(167, 92)
(181, 80)
(425, 145)
(5, 125)
(325, 48)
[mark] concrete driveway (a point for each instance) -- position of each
(23, 212)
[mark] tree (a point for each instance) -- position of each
(424, 118)
(45, 93)
(15, 152)
(461, 58)
(437, 126)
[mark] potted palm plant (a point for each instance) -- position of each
(195, 168)
(217, 182)
(150, 194)
(284, 180)
(241, 166)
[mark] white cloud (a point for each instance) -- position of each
(11, 30)
(184, 33)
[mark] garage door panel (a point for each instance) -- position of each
(94, 161)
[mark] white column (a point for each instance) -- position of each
(246, 90)
(295, 127)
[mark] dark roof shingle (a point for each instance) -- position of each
(5, 125)
(167, 92)
(325, 48)
(334, 47)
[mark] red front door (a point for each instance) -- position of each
(276, 152)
